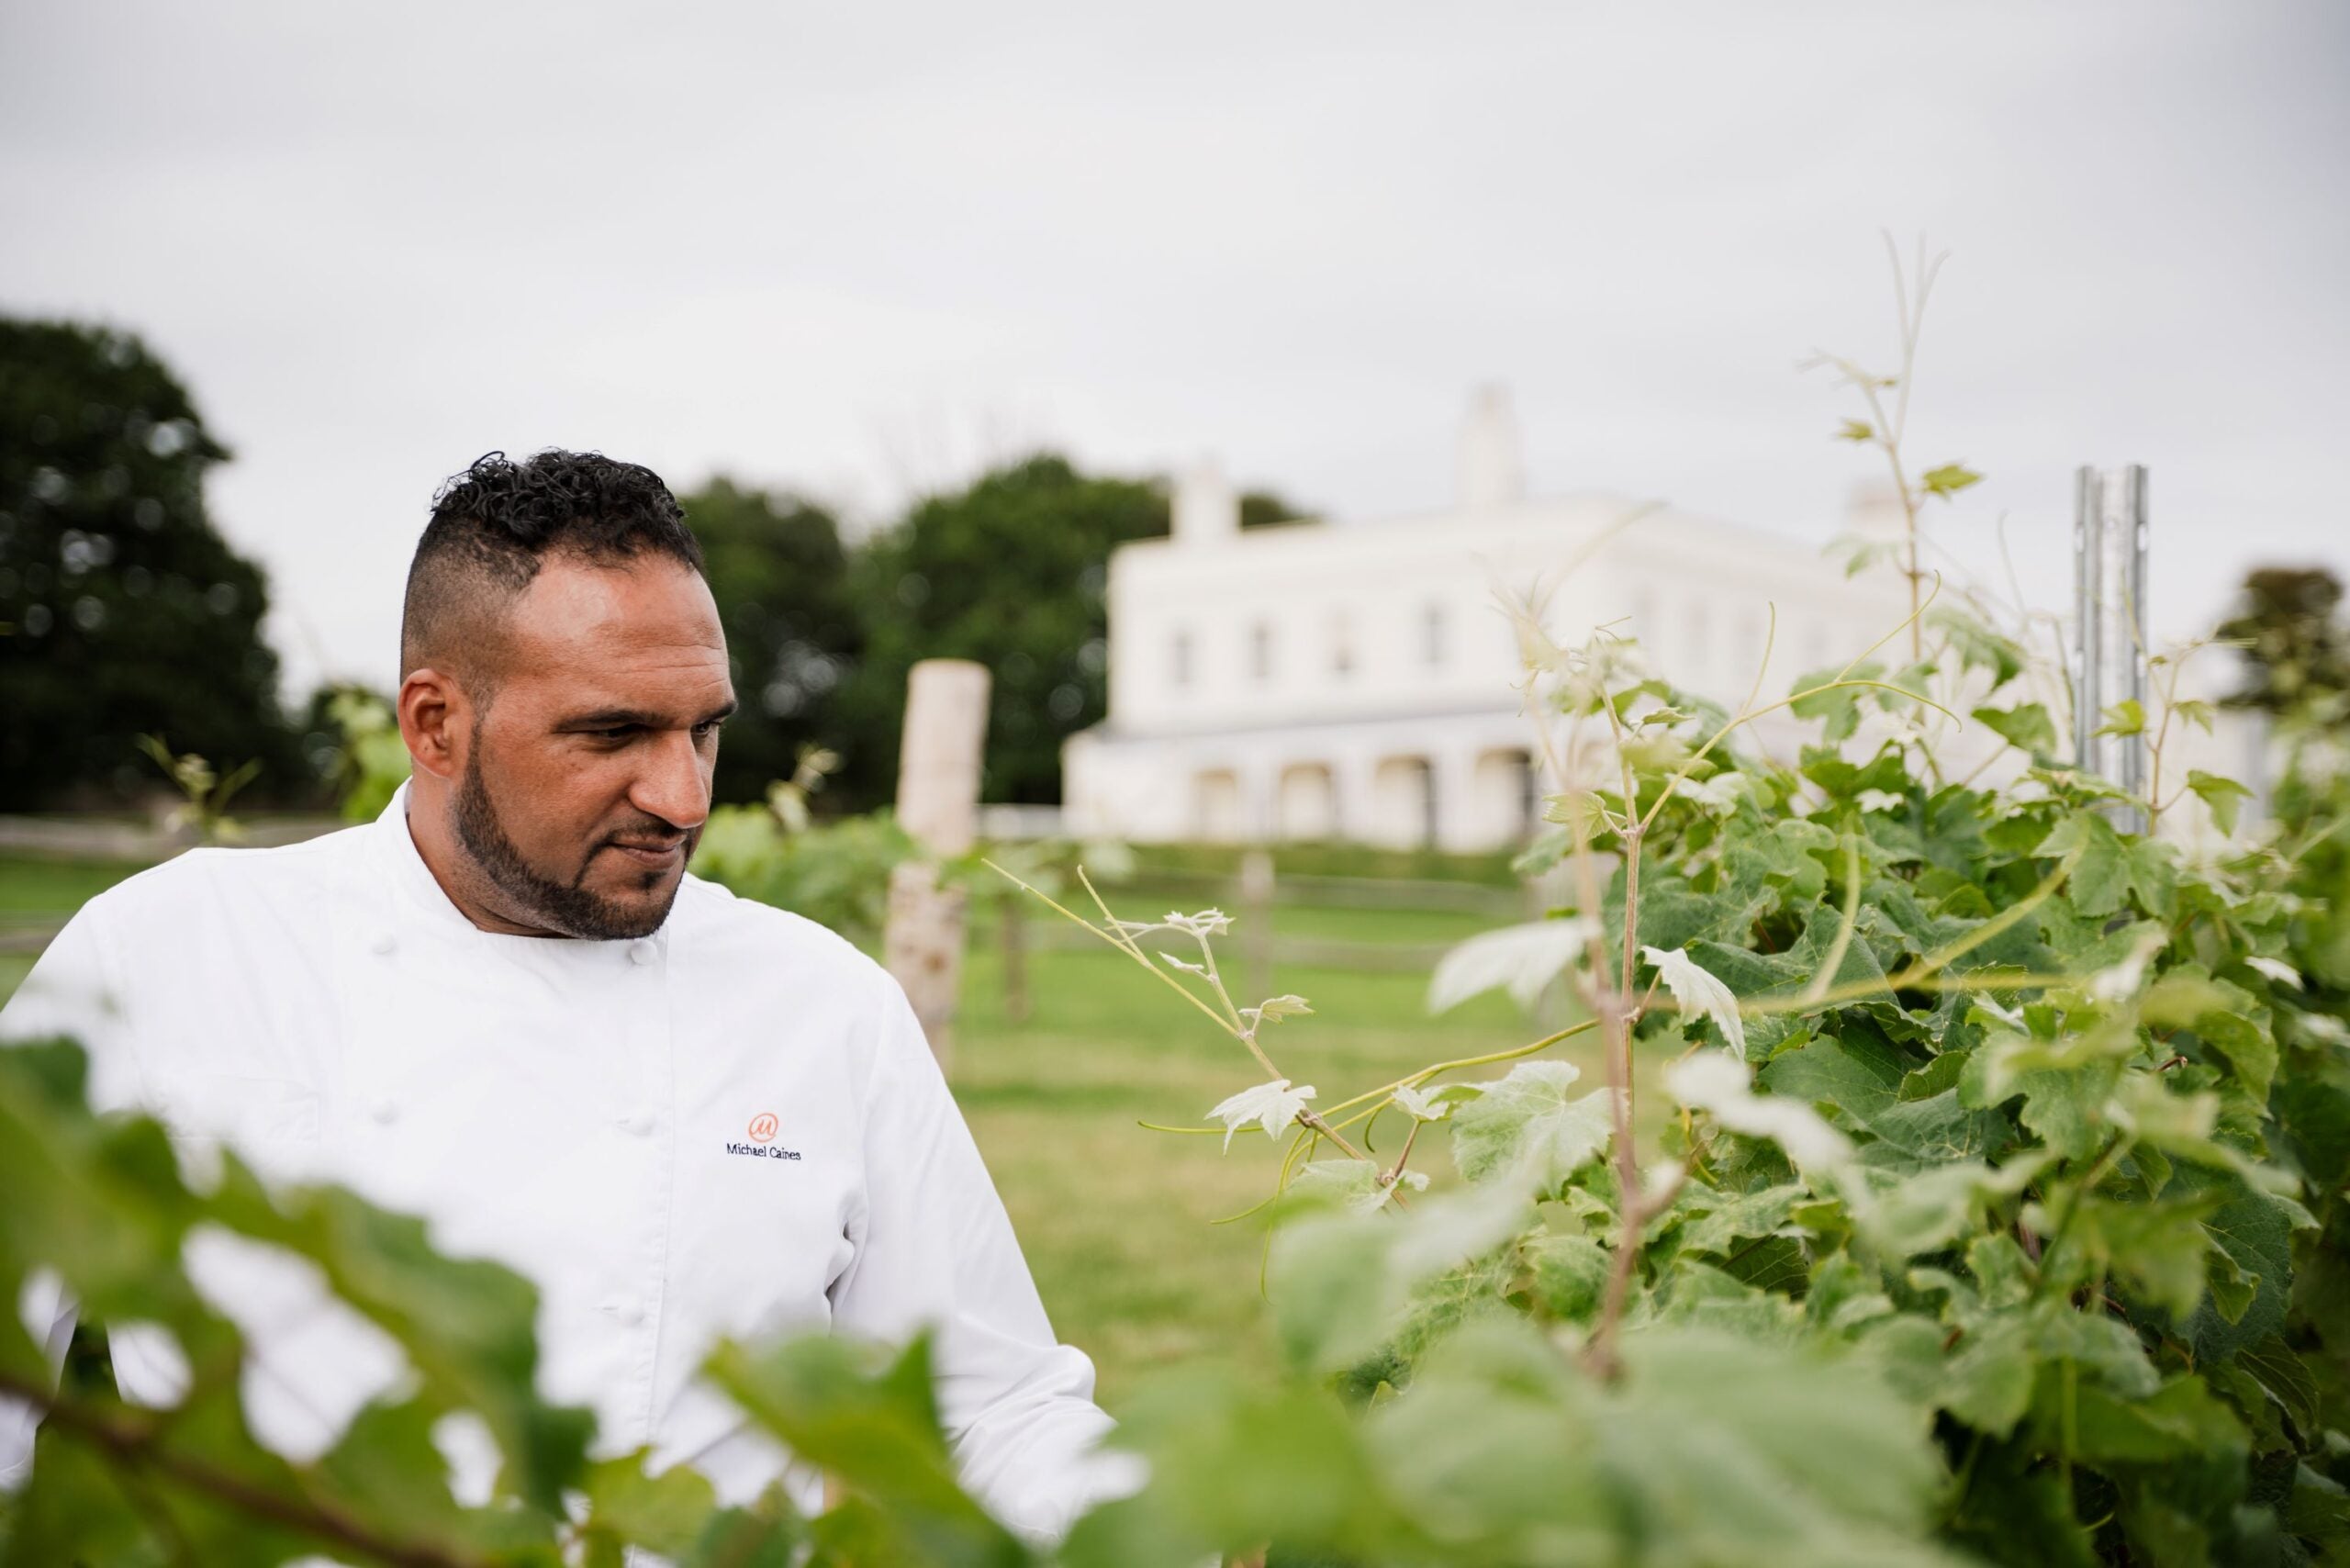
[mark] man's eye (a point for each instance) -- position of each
(617, 733)
(708, 727)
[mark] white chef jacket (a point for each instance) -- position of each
(731, 1128)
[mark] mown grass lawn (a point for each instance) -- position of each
(38, 893)
(1118, 1221)
(34, 888)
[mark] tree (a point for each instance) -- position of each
(123, 611)
(780, 576)
(1009, 572)
(1262, 509)
(2295, 646)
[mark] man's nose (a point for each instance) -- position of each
(673, 786)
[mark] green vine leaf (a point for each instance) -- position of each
(1528, 1128)
(2223, 796)
(2112, 872)
(1949, 479)
(1838, 708)
(2026, 726)
(2181, 1420)
(2127, 717)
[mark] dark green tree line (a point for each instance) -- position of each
(1011, 571)
(123, 611)
(779, 573)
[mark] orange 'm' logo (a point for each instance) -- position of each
(762, 1128)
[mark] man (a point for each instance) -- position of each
(505, 1006)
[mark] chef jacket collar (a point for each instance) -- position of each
(420, 896)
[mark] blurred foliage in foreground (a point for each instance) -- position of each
(834, 872)
(102, 1204)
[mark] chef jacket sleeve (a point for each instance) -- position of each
(938, 1251)
(71, 991)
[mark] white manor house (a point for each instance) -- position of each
(1360, 681)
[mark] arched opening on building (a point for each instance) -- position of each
(1403, 803)
(1306, 804)
(1216, 813)
(1505, 798)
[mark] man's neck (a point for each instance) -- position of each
(460, 879)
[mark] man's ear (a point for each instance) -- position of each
(436, 719)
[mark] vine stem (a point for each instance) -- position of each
(1846, 923)
(1457, 1063)
(1395, 1173)
(1246, 1033)
(2155, 804)
(132, 1441)
(1887, 433)
(1313, 1119)
(2119, 1144)
(1616, 1012)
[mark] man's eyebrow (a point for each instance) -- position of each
(621, 718)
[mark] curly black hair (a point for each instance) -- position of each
(495, 523)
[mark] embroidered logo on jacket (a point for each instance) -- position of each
(762, 1145)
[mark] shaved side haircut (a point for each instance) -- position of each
(492, 527)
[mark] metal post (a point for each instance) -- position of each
(2109, 550)
(2088, 531)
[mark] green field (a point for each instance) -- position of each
(36, 895)
(1117, 1221)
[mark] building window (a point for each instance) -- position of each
(1260, 651)
(1179, 659)
(1752, 637)
(1698, 645)
(1342, 647)
(1432, 635)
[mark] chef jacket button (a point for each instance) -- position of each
(643, 950)
(385, 1110)
(637, 1121)
(627, 1314)
(382, 942)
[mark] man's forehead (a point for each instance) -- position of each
(650, 602)
(612, 633)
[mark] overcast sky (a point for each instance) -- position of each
(857, 250)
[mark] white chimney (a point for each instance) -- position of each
(1873, 513)
(1206, 509)
(1492, 473)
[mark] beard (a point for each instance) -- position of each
(572, 908)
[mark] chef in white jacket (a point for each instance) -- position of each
(505, 1006)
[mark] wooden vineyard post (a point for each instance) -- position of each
(1012, 930)
(1256, 922)
(939, 805)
